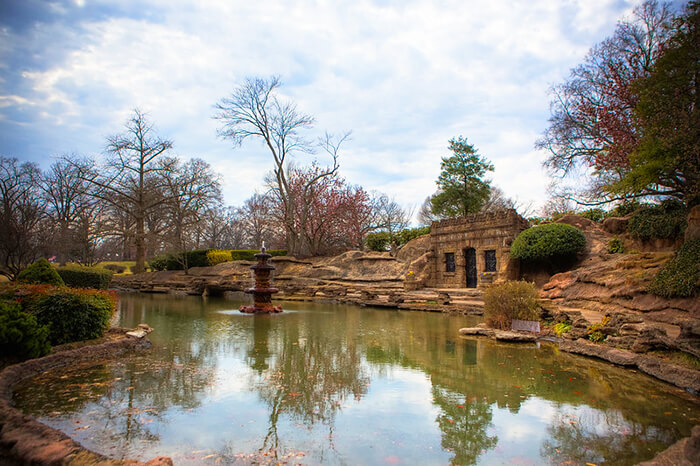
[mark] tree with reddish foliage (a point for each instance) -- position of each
(329, 216)
(593, 123)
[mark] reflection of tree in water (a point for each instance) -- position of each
(311, 374)
(601, 436)
(120, 400)
(464, 423)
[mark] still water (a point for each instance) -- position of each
(336, 384)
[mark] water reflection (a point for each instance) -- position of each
(339, 384)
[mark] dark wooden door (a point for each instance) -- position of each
(470, 259)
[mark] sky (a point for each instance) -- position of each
(404, 76)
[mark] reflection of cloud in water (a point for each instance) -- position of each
(538, 408)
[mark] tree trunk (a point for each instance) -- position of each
(140, 245)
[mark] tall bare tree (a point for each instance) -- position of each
(191, 190)
(75, 214)
(21, 212)
(254, 110)
(131, 179)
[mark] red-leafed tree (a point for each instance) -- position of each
(329, 215)
(593, 122)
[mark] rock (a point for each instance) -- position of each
(576, 220)
(630, 329)
(139, 333)
(478, 331)
(504, 335)
(685, 452)
(692, 231)
(615, 225)
(443, 298)
(414, 249)
(685, 378)
(690, 330)
(649, 338)
(586, 348)
(621, 342)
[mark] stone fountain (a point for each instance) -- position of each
(262, 291)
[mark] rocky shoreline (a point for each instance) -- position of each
(24, 440)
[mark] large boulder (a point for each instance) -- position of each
(615, 225)
(582, 223)
(414, 249)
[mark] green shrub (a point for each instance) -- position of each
(72, 315)
(624, 209)
(218, 256)
(681, 275)
(407, 234)
(615, 246)
(595, 333)
(40, 272)
(510, 300)
(164, 262)
(77, 276)
(20, 334)
(116, 268)
(554, 243)
(596, 215)
(561, 328)
(664, 221)
(378, 241)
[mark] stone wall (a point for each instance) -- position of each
(491, 231)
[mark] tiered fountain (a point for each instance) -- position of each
(262, 291)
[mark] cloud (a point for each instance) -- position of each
(404, 76)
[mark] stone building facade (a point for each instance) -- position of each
(474, 251)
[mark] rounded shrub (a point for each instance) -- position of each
(664, 221)
(20, 334)
(679, 278)
(72, 315)
(40, 273)
(551, 243)
(510, 300)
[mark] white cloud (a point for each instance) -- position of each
(405, 77)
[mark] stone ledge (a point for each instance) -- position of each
(499, 335)
(27, 441)
(687, 379)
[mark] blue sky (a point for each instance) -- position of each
(404, 76)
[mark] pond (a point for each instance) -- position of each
(337, 384)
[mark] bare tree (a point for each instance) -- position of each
(75, 214)
(191, 190)
(425, 213)
(21, 211)
(391, 217)
(131, 179)
(255, 110)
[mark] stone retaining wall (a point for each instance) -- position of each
(24, 440)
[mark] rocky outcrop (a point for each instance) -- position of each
(26, 441)
(685, 452)
(618, 282)
(615, 225)
(682, 377)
